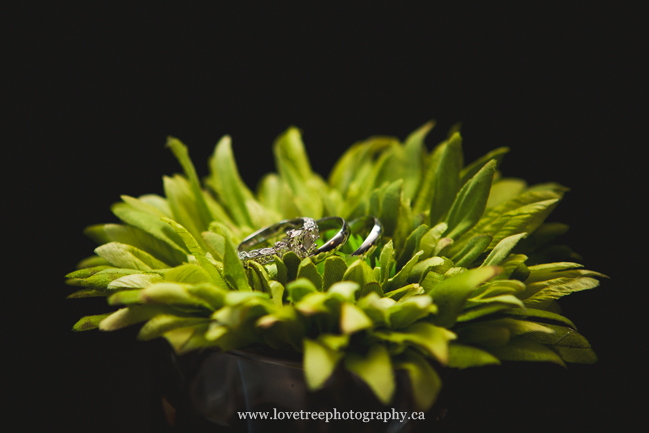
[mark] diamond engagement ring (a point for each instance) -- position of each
(301, 234)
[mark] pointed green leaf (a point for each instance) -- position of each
(473, 248)
(134, 281)
(182, 155)
(233, 272)
(539, 295)
(412, 245)
(470, 203)
(298, 289)
(149, 223)
(334, 270)
(359, 272)
(462, 356)
(319, 363)
(451, 294)
(520, 349)
(400, 279)
(407, 311)
(127, 256)
(502, 249)
(425, 382)
(225, 180)
(184, 207)
(352, 319)
(191, 274)
(89, 322)
(446, 180)
(375, 369)
(163, 323)
(309, 271)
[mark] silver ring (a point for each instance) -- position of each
(331, 245)
(372, 240)
(301, 234)
(300, 238)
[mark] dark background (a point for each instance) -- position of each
(93, 90)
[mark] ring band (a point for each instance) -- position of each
(336, 241)
(300, 238)
(372, 240)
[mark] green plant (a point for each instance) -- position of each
(460, 278)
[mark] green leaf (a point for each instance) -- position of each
(163, 323)
(539, 295)
(411, 246)
(386, 261)
(451, 294)
(188, 273)
(127, 256)
(445, 180)
(233, 272)
(131, 315)
(542, 315)
(359, 272)
(149, 223)
(198, 252)
(182, 155)
(407, 311)
(308, 270)
(92, 261)
(412, 151)
(89, 322)
(390, 205)
(353, 319)
(473, 248)
(225, 180)
(86, 293)
(184, 207)
(424, 380)
(134, 281)
(344, 291)
(376, 307)
(550, 271)
(431, 339)
(521, 349)
(170, 294)
(375, 369)
(215, 244)
(470, 203)
(470, 170)
(125, 234)
(294, 168)
(100, 280)
(319, 363)
(298, 289)
(400, 279)
(447, 155)
(334, 270)
(502, 249)
(292, 262)
(462, 356)
(421, 269)
(503, 190)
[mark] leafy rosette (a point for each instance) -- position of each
(462, 276)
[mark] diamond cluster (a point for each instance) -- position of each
(301, 241)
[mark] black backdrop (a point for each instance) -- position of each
(94, 88)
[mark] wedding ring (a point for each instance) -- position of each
(301, 236)
(372, 240)
(331, 245)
